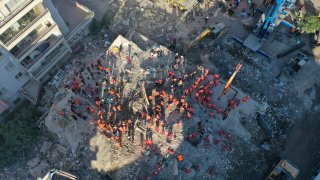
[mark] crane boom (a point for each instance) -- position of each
(226, 87)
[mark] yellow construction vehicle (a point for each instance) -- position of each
(178, 3)
(51, 173)
(214, 31)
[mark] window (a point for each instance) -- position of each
(15, 26)
(3, 12)
(3, 91)
(9, 66)
(19, 75)
(17, 101)
(12, 4)
(1, 16)
(32, 33)
(39, 27)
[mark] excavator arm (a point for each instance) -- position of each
(53, 172)
(201, 36)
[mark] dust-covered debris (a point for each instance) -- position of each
(210, 147)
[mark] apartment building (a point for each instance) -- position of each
(34, 36)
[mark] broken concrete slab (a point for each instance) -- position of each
(62, 149)
(45, 146)
(40, 170)
(34, 162)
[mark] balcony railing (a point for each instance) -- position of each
(25, 28)
(50, 60)
(35, 39)
(52, 42)
(15, 12)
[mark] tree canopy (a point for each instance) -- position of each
(18, 134)
(310, 24)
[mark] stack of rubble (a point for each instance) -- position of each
(195, 146)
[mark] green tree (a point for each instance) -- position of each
(310, 24)
(18, 134)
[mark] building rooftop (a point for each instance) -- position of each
(72, 14)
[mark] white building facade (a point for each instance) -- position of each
(33, 39)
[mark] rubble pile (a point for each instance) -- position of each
(139, 110)
(150, 113)
(278, 115)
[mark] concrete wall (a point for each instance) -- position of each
(80, 32)
(7, 78)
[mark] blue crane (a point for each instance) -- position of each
(273, 15)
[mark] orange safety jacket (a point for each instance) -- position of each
(180, 157)
(101, 124)
(164, 94)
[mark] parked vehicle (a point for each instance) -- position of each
(295, 64)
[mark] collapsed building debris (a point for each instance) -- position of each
(140, 109)
(126, 113)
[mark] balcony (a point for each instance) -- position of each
(40, 51)
(15, 12)
(17, 29)
(32, 40)
(50, 61)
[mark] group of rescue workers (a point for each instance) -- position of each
(102, 100)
